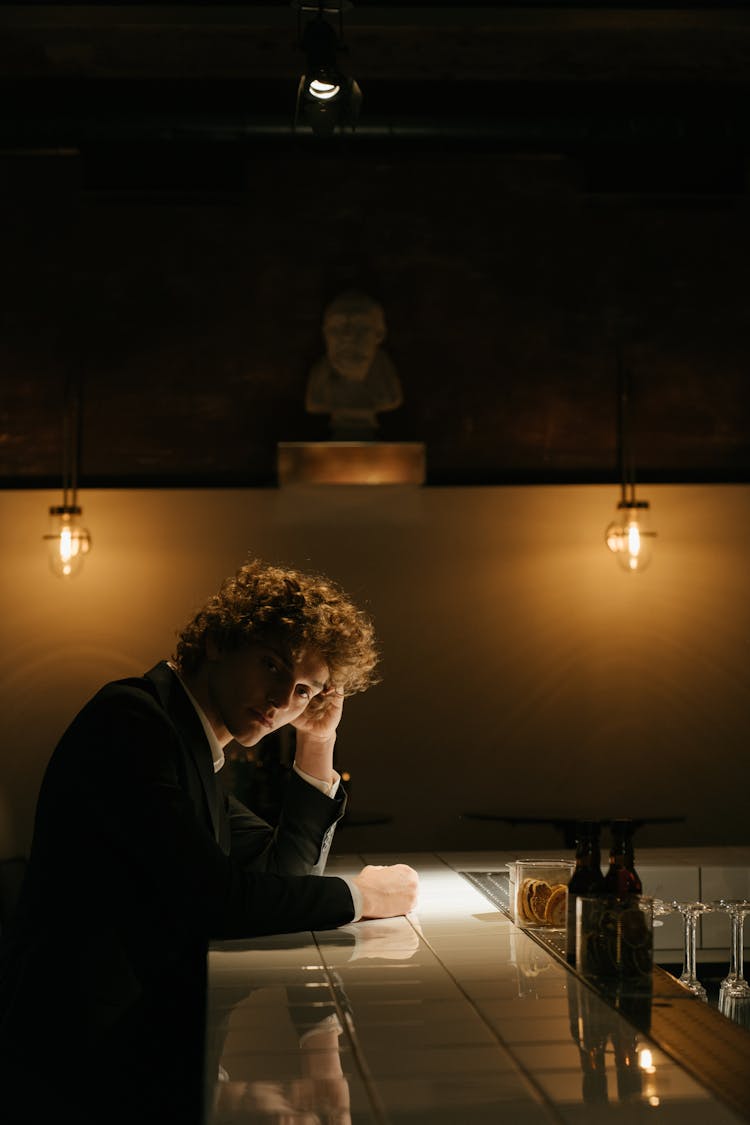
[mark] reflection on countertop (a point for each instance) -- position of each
(453, 1016)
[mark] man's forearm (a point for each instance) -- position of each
(302, 836)
(314, 756)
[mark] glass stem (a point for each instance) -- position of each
(739, 946)
(690, 939)
(735, 959)
(685, 943)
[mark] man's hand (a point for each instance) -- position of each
(388, 891)
(316, 734)
(322, 715)
(393, 939)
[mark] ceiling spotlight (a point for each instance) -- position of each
(324, 88)
(327, 98)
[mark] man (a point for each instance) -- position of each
(138, 859)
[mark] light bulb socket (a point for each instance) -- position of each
(320, 43)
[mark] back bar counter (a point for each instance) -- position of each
(456, 1016)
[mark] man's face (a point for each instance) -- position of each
(255, 690)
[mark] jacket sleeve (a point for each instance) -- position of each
(300, 843)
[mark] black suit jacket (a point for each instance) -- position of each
(138, 860)
(133, 830)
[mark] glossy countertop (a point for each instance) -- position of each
(452, 1016)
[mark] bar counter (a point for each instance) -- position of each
(456, 1016)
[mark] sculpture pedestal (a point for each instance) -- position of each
(350, 462)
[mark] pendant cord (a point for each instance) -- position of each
(71, 440)
(624, 451)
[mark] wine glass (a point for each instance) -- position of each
(734, 990)
(691, 912)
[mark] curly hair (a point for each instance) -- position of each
(303, 611)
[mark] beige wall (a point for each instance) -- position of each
(523, 670)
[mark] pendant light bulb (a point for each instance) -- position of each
(629, 536)
(67, 542)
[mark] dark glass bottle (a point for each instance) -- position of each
(589, 1030)
(587, 879)
(629, 1074)
(622, 878)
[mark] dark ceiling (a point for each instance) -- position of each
(528, 74)
(627, 99)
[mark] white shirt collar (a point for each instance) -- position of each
(217, 751)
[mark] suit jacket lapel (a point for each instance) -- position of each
(183, 715)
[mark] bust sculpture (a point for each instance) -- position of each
(356, 379)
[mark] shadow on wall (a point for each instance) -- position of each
(6, 827)
(11, 877)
